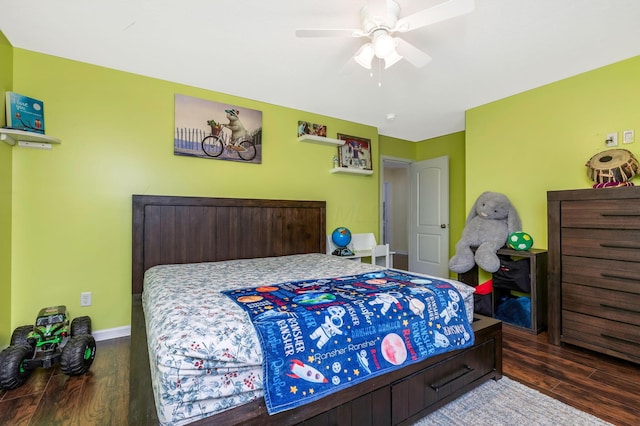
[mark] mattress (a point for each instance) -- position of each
(205, 353)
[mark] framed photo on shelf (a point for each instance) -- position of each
(355, 153)
(306, 128)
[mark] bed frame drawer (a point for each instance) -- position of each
(425, 388)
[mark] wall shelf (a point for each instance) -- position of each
(350, 170)
(320, 140)
(11, 136)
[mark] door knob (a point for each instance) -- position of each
(442, 225)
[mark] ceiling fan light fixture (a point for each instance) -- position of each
(364, 56)
(383, 44)
(391, 59)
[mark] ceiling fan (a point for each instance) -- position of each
(380, 19)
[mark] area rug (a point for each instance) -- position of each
(507, 402)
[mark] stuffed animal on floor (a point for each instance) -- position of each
(491, 220)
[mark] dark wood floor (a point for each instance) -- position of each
(603, 386)
(401, 261)
(100, 397)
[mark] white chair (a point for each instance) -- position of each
(365, 245)
(381, 256)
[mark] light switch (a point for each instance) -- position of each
(627, 136)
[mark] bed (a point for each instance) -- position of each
(186, 230)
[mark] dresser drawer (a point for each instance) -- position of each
(603, 273)
(601, 334)
(612, 214)
(602, 243)
(613, 305)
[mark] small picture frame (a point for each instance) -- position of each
(306, 128)
(355, 153)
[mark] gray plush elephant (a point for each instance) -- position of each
(490, 222)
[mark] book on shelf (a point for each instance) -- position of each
(24, 113)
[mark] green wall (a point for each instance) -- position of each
(540, 140)
(399, 148)
(6, 78)
(72, 205)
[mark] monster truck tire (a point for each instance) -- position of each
(77, 355)
(80, 326)
(19, 336)
(12, 373)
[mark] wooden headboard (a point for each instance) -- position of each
(168, 229)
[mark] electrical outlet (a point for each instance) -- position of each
(85, 298)
(627, 136)
(612, 139)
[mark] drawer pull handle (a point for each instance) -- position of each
(617, 277)
(629, 245)
(455, 376)
(617, 308)
(622, 214)
(620, 339)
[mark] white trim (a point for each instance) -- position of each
(112, 333)
(405, 161)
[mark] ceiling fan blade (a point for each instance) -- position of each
(412, 54)
(441, 12)
(325, 32)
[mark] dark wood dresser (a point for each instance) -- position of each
(594, 270)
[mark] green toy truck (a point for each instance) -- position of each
(49, 341)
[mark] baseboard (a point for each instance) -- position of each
(112, 333)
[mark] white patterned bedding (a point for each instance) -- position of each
(205, 353)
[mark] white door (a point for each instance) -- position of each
(429, 217)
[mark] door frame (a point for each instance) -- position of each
(406, 162)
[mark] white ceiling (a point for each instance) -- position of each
(248, 48)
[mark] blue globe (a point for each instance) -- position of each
(341, 237)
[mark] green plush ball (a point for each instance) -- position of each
(520, 241)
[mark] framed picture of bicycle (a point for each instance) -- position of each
(217, 131)
(355, 153)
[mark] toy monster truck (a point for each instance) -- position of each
(49, 341)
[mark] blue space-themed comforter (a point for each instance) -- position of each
(319, 336)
